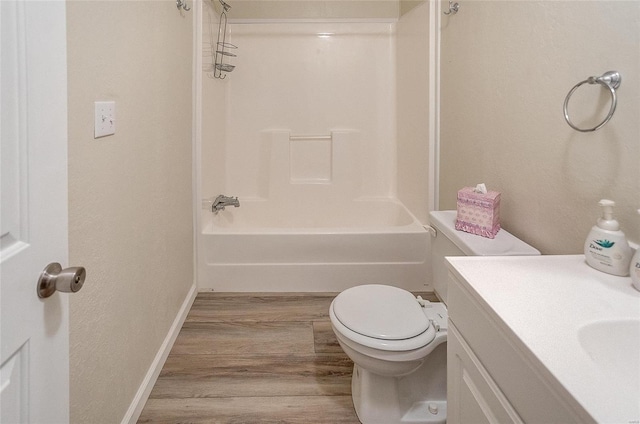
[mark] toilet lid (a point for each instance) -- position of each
(381, 312)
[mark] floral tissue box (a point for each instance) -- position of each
(478, 211)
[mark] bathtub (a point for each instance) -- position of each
(311, 247)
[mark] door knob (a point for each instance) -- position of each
(53, 278)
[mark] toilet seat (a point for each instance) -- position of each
(382, 317)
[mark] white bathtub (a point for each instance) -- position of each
(313, 247)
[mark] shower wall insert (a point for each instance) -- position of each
(314, 170)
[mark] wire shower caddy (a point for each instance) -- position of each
(221, 49)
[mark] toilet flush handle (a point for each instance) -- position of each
(431, 230)
(422, 302)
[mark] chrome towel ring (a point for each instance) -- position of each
(610, 80)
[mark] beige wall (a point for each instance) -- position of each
(412, 87)
(506, 69)
(312, 9)
(130, 213)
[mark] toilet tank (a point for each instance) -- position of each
(450, 242)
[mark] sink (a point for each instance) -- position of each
(614, 349)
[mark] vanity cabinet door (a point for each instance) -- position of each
(472, 395)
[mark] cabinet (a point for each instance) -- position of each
(473, 396)
(491, 378)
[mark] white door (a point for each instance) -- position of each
(34, 340)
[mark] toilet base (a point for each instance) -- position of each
(418, 398)
(427, 412)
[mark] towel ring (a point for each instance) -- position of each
(610, 80)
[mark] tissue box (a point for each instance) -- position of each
(478, 213)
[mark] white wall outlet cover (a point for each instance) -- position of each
(105, 119)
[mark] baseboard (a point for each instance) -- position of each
(135, 409)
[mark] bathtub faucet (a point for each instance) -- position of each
(222, 201)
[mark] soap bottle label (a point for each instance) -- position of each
(603, 252)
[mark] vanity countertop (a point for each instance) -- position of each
(581, 325)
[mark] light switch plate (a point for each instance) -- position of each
(105, 119)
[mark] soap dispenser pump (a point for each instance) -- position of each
(634, 269)
(606, 248)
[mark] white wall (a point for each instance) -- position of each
(287, 77)
(130, 209)
(412, 74)
(506, 69)
(214, 111)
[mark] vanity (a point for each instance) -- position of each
(541, 339)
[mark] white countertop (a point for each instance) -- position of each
(546, 301)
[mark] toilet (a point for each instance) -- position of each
(398, 342)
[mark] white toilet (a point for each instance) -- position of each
(398, 342)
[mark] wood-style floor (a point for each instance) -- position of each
(255, 358)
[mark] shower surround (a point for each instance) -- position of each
(303, 131)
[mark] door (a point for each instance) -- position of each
(34, 340)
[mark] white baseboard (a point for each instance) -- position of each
(138, 402)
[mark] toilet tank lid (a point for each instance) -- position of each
(381, 312)
(504, 244)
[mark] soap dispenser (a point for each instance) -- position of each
(634, 268)
(606, 248)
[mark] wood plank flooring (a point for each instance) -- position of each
(255, 358)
